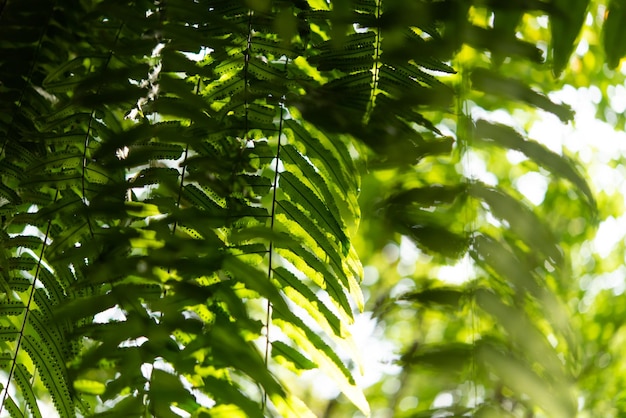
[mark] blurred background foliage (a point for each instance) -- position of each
(428, 316)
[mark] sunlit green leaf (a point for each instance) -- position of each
(565, 25)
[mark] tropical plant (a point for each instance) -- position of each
(179, 201)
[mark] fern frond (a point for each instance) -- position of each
(509, 88)
(559, 165)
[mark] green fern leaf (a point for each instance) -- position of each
(280, 350)
(443, 358)
(437, 296)
(322, 157)
(309, 301)
(320, 237)
(25, 241)
(12, 408)
(243, 356)
(171, 106)
(557, 164)
(512, 89)
(565, 25)
(53, 288)
(59, 181)
(316, 209)
(51, 373)
(518, 376)
(490, 39)
(226, 393)
(311, 176)
(166, 389)
(335, 281)
(25, 263)
(9, 194)
(614, 40)
(8, 333)
(24, 381)
(319, 273)
(264, 71)
(321, 354)
(11, 308)
(271, 47)
(524, 334)
(226, 88)
(494, 256)
(521, 219)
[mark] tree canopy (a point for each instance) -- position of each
(199, 197)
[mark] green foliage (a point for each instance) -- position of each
(613, 36)
(179, 200)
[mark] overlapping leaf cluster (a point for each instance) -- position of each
(157, 194)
